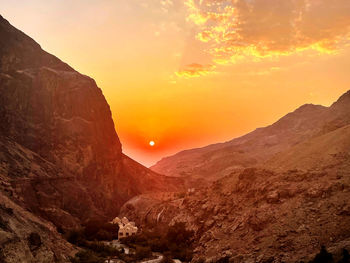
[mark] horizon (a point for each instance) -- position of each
(189, 91)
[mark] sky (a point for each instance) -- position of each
(188, 73)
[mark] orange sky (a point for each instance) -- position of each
(193, 72)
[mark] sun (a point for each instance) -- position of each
(152, 143)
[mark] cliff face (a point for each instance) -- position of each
(53, 110)
(60, 157)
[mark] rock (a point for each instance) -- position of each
(34, 241)
(273, 197)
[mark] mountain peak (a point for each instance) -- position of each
(343, 100)
(309, 108)
(19, 51)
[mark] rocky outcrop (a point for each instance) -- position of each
(259, 215)
(60, 156)
(25, 237)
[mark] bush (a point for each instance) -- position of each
(224, 260)
(346, 256)
(175, 242)
(323, 256)
(86, 256)
(101, 249)
(178, 234)
(76, 237)
(143, 252)
(166, 259)
(99, 230)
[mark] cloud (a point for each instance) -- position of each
(235, 29)
(195, 70)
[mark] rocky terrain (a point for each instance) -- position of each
(61, 161)
(274, 195)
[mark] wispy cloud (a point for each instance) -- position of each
(235, 29)
(195, 70)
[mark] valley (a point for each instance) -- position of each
(277, 194)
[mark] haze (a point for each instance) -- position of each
(189, 73)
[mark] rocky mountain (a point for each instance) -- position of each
(259, 215)
(258, 147)
(61, 161)
(274, 195)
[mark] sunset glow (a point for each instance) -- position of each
(194, 72)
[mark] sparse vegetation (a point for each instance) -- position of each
(98, 230)
(174, 243)
(346, 257)
(95, 252)
(323, 256)
(326, 257)
(93, 231)
(86, 256)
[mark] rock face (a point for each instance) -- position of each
(258, 147)
(259, 215)
(60, 156)
(25, 237)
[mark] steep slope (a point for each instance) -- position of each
(328, 149)
(25, 237)
(259, 215)
(257, 147)
(60, 156)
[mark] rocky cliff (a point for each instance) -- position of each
(60, 156)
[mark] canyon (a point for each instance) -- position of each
(274, 195)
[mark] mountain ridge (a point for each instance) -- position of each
(257, 146)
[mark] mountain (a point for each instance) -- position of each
(258, 147)
(276, 194)
(61, 161)
(259, 215)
